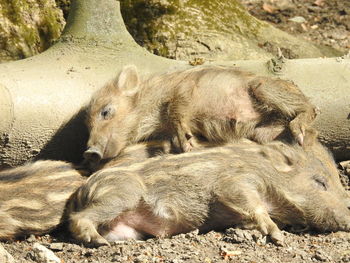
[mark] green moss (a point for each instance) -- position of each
(49, 29)
(154, 24)
(25, 38)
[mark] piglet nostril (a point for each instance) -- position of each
(92, 155)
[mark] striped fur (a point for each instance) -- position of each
(215, 103)
(244, 184)
(33, 197)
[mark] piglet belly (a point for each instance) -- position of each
(137, 224)
(238, 106)
(233, 105)
(122, 231)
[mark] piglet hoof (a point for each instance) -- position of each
(300, 139)
(100, 242)
(298, 131)
(277, 238)
(187, 148)
(268, 228)
(190, 143)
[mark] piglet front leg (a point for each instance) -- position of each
(180, 114)
(242, 198)
(185, 138)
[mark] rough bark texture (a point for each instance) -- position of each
(28, 27)
(212, 29)
(41, 97)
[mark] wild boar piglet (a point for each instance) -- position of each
(33, 197)
(243, 184)
(215, 103)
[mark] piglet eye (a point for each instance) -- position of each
(107, 112)
(321, 182)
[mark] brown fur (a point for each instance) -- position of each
(33, 197)
(244, 184)
(219, 104)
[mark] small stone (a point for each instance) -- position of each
(227, 253)
(262, 240)
(339, 34)
(56, 246)
(5, 256)
(297, 19)
(345, 164)
(44, 255)
(31, 238)
(236, 235)
(345, 258)
(73, 247)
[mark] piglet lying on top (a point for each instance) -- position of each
(215, 103)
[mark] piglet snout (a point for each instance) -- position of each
(93, 155)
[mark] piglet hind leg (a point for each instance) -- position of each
(93, 208)
(246, 202)
(286, 98)
(85, 230)
(95, 232)
(304, 135)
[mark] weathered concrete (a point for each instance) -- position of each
(41, 97)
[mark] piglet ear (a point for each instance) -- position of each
(128, 79)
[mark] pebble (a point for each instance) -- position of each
(236, 235)
(345, 259)
(31, 239)
(297, 19)
(44, 255)
(73, 247)
(227, 253)
(56, 246)
(339, 34)
(346, 166)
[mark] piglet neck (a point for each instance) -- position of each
(144, 125)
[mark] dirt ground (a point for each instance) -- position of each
(234, 245)
(324, 22)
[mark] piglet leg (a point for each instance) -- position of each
(243, 199)
(179, 113)
(185, 137)
(284, 97)
(102, 203)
